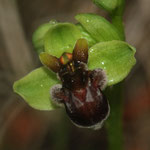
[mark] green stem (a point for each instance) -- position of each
(117, 18)
(114, 94)
(117, 21)
(114, 122)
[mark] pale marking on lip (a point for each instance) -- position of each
(89, 97)
(76, 101)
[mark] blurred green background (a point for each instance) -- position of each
(24, 128)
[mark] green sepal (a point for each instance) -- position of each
(34, 88)
(61, 38)
(115, 57)
(98, 27)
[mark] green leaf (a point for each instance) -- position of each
(38, 35)
(108, 5)
(86, 35)
(98, 27)
(115, 57)
(35, 87)
(61, 38)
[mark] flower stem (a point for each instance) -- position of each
(114, 94)
(117, 18)
(117, 21)
(114, 122)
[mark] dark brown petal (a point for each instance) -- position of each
(50, 61)
(80, 52)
